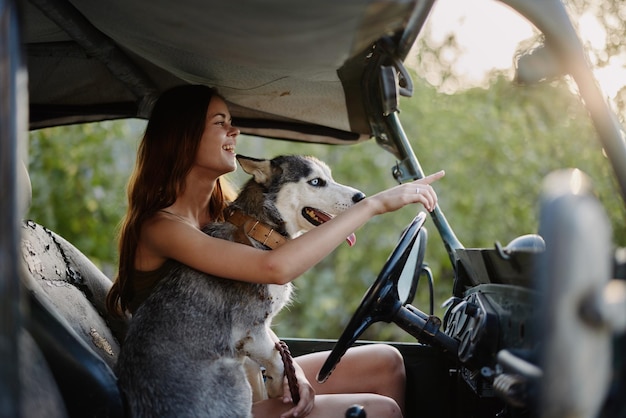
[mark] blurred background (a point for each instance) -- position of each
(496, 141)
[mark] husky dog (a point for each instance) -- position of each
(184, 351)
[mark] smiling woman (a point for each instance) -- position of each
(176, 198)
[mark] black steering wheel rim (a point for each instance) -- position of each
(381, 301)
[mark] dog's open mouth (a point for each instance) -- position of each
(318, 217)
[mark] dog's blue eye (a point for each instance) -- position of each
(317, 182)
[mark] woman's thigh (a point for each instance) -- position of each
(376, 368)
(331, 406)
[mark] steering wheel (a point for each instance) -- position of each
(394, 287)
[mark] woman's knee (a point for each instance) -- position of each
(382, 406)
(336, 405)
(389, 359)
(392, 354)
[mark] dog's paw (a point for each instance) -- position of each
(274, 377)
(274, 386)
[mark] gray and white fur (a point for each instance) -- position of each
(185, 347)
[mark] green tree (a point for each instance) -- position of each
(79, 176)
(497, 146)
(610, 16)
(437, 60)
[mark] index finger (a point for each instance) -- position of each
(432, 177)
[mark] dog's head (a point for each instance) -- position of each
(302, 189)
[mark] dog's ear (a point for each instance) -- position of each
(261, 170)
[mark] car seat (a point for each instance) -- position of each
(65, 316)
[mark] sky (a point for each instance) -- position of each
(489, 33)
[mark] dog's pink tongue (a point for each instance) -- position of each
(351, 240)
(324, 217)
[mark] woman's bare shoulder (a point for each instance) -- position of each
(164, 227)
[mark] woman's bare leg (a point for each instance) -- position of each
(377, 368)
(372, 376)
(333, 406)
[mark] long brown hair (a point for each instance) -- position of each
(165, 156)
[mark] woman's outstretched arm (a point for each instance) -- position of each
(169, 238)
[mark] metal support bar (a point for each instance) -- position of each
(414, 27)
(13, 116)
(410, 169)
(551, 18)
(98, 45)
(391, 137)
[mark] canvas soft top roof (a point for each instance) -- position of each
(289, 68)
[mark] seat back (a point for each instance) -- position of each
(38, 388)
(69, 323)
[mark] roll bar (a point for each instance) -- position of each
(13, 118)
(386, 79)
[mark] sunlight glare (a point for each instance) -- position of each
(611, 77)
(591, 31)
(489, 34)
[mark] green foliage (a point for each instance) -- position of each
(610, 15)
(496, 146)
(79, 174)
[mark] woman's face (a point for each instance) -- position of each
(217, 145)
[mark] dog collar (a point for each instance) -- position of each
(252, 228)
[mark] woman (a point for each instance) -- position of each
(177, 188)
